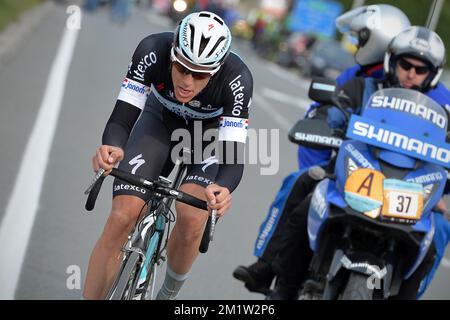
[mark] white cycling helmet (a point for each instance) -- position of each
(374, 26)
(420, 43)
(203, 39)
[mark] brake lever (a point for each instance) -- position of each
(96, 177)
(213, 224)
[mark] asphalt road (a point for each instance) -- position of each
(63, 233)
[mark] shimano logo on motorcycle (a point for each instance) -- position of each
(428, 178)
(410, 107)
(395, 139)
(313, 138)
(358, 156)
(318, 201)
(267, 231)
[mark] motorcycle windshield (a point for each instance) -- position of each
(404, 121)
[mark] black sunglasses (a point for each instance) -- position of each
(405, 65)
(196, 75)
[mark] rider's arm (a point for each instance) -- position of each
(230, 174)
(233, 128)
(353, 90)
(120, 123)
(133, 93)
(309, 156)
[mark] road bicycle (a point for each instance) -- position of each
(144, 250)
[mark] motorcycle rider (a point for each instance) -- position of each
(374, 27)
(407, 64)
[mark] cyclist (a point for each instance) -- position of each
(408, 64)
(184, 80)
(373, 27)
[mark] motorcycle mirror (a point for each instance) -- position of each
(322, 90)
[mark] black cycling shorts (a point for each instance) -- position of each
(150, 151)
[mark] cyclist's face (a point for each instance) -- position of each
(411, 72)
(187, 85)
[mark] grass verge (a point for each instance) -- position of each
(10, 10)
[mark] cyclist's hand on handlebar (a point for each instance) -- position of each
(106, 157)
(219, 198)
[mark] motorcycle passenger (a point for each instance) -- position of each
(407, 65)
(373, 40)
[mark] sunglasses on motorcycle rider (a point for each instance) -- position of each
(405, 65)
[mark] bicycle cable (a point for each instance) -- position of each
(170, 217)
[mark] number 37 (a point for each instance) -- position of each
(403, 203)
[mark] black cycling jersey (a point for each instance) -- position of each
(224, 101)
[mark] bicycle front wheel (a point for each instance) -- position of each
(125, 284)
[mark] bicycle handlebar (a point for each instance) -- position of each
(155, 188)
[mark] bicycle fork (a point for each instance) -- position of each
(152, 251)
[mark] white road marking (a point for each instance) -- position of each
(289, 76)
(298, 102)
(23, 204)
(270, 109)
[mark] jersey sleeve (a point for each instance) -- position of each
(141, 70)
(133, 93)
(238, 98)
(233, 127)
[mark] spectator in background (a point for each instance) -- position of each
(120, 10)
(91, 5)
(230, 15)
(216, 6)
(258, 29)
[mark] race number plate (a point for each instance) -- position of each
(402, 199)
(364, 191)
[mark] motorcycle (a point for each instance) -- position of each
(371, 220)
